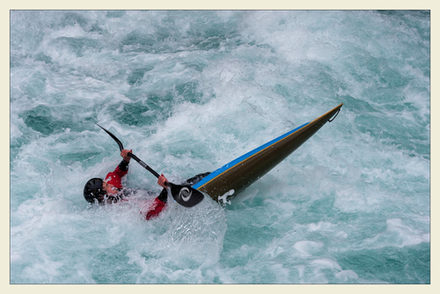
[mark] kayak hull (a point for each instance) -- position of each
(238, 174)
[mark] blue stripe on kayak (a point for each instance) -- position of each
(236, 161)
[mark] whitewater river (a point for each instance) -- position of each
(189, 91)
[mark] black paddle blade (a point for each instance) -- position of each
(185, 195)
(121, 147)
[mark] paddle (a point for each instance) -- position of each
(185, 195)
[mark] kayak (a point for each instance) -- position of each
(226, 182)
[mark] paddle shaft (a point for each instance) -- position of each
(144, 165)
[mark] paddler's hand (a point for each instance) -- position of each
(162, 181)
(124, 154)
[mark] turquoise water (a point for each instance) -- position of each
(189, 91)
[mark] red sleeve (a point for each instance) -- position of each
(155, 209)
(120, 172)
(115, 177)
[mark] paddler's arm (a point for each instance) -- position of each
(162, 181)
(123, 166)
(160, 201)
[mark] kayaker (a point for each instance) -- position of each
(110, 190)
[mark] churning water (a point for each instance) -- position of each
(189, 91)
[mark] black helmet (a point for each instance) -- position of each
(93, 189)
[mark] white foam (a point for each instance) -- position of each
(308, 248)
(397, 234)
